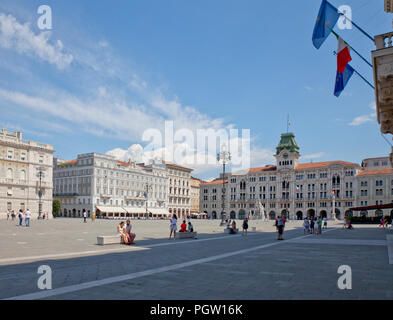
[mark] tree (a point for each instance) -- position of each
(56, 207)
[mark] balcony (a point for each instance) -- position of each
(382, 59)
(64, 194)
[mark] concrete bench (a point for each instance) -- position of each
(185, 235)
(103, 240)
(227, 230)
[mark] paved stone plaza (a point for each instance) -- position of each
(214, 266)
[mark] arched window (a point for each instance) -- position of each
(10, 173)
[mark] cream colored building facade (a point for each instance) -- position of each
(20, 164)
(179, 189)
(297, 190)
(100, 183)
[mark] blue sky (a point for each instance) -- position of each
(106, 72)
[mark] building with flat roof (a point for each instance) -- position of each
(111, 188)
(25, 173)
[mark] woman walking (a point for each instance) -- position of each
(245, 226)
(173, 226)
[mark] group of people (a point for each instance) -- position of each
(184, 227)
(125, 232)
(314, 225)
(22, 215)
(84, 215)
(384, 223)
(231, 226)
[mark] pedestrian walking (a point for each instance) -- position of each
(27, 218)
(312, 225)
(173, 226)
(382, 222)
(93, 217)
(13, 215)
(84, 216)
(280, 228)
(324, 222)
(20, 216)
(245, 226)
(43, 216)
(8, 214)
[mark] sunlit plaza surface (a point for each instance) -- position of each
(213, 266)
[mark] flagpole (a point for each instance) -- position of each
(364, 59)
(361, 30)
(363, 78)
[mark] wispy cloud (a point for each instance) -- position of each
(17, 36)
(357, 121)
(313, 156)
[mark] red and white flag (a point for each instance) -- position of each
(343, 55)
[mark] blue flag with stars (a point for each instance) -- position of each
(327, 18)
(342, 80)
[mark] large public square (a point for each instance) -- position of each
(214, 266)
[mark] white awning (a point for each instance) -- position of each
(134, 210)
(111, 209)
(159, 211)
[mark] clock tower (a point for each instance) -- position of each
(287, 152)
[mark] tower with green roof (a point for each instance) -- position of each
(287, 152)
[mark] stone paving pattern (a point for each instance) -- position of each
(288, 270)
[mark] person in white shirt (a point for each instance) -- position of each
(27, 218)
(173, 226)
(84, 215)
(324, 222)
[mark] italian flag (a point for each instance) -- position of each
(297, 187)
(343, 55)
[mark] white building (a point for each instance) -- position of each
(111, 188)
(296, 190)
(21, 162)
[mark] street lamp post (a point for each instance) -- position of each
(224, 156)
(146, 197)
(40, 175)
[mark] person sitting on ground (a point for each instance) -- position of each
(228, 224)
(183, 226)
(190, 227)
(123, 233)
(233, 230)
(245, 226)
(128, 230)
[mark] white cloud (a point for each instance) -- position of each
(365, 118)
(17, 36)
(362, 119)
(313, 156)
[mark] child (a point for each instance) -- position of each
(183, 226)
(190, 227)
